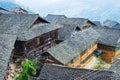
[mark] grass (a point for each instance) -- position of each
(99, 64)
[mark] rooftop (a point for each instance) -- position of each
(6, 47)
(115, 66)
(73, 46)
(79, 22)
(38, 30)
(54, 18)
(57, 72)
(108, 36)
(111, 24)
(18, 24)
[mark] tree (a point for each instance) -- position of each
(28, 70)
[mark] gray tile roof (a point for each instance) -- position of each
(38, 30)
(17, 23)
(80, 22)
(54, 18)
(17, 9)
(57, 72)
(6, 47)
(111, 24)
(108, 36)
(4, 11)
(115, 67)
(72, 47)
(116, 26)
(66, 31)
(98, 23)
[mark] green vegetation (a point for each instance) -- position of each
(32, 56)
(99, 64)
(37, 64)
(28, 70)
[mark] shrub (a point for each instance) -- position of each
(28, 70)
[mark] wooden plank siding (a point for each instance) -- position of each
(77, 61)
(38, 44)
(87, 62)
(109, 53)
(117, 52)
(47, 58)
(44, 41)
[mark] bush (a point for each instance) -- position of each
(28, 70)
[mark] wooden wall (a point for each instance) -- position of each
(19, 48)
(78, 60)
(109, 53)
(38, 44)
(87, 62)
(87, 25)
(117, 52)
(47, 58)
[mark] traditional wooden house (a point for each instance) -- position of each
(82, 23)
(75, 51)
(33, 33)
(37, 39)
(54, 18)
(111, 24)
(58, 72)
(7, 42)
(109, 43)
(72, 26)
(67, 31)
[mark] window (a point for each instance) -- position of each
(84, 27)
(34, 42)
(53, 34)
(86, 59)
(46, 37)
(83, 52)
(72, 61)
(38, 42)
(117, 49)
(41, 41)
(76, 58)
(77, 29)
(29, 45)
(19, 46)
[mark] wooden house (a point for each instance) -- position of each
(72, 26)
(111, 24)
(37, 39)
(34, 34)
(67, 31)
(58, 72)
(82, 23)
(7, 42)
(109, 43)
(75, 51)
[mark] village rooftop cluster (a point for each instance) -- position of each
(67, 48)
